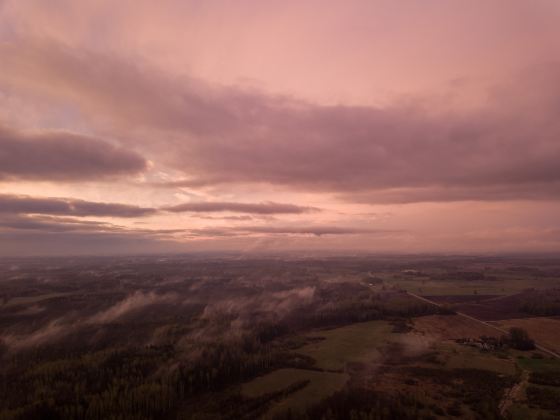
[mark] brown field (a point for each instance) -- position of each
(460, 298)
(451, 327)
(546, 331)
(489, 308)
(494, 309)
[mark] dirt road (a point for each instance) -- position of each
(513, 394)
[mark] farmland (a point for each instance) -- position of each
(451, 327)
(359, 342)
(316, 385)
(544, 330)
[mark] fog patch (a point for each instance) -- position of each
(53, 330)
(232, 320)
(66, 325)
(32, 310)
(414, 344)
(276, 305)
(135, 301)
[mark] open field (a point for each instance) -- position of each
(456, 356)
(520, 305)
(451, 327)
(321, 385)
(449, 381)
(539, 365)
(546, 331)
(359, 342)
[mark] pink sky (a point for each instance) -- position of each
(376, 126)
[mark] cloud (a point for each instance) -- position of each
(232, 218)
(45, 226)
(53, 224)
(20, 204)
(47, 242)
(227, 135)
(63, 156)
(313, 230)
(33, 234)
(250, 208)
(287, 230)
(538, 191)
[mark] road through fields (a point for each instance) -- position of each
(538, 346)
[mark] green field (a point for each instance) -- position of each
(321, 385)
(463, 357)
(354, 343)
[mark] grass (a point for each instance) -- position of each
(522, 412)
(354, 343)
(451, 327)
(539, 365)
(463, 357)
(321, 385)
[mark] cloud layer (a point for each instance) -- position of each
(62, 156)
(21, 204)
(227, 135)
(15, 204)
(251, 208)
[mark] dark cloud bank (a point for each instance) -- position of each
(18, 204)
(68, 207)
(62, 156)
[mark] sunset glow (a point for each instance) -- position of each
(356, 126)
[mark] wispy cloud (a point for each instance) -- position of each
(19, 204)
(318, 230)
(250, 208)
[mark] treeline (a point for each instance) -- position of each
(541, 308)
(550, 378)
(365, 404)
(480, 390)
(91, 386)
(351, 311)
(346, 304)
(136, 383)
(541, 303)
(544, 398)
(360, 404)
(519, 339)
